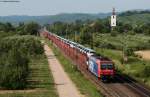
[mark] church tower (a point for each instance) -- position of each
(113, 19)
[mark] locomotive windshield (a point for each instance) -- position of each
(106, 66)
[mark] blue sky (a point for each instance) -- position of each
(51, 7)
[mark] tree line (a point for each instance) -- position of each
(84, 29)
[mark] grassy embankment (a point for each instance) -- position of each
(84, 85)
(40, 80)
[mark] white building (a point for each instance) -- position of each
(113, 18)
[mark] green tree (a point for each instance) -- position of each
(6, 27)
(146, 28)
(86, 35)
(97, 26)
(31, 28)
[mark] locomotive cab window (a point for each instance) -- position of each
(106, 66)
(110, 66)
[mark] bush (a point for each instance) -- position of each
(146, 71)
(14, 58)
(132, 33)
(28, 45)
(129, 52)
(14, 70)
(114, 33)
(31, 29)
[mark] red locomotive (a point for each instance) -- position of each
(101, 67)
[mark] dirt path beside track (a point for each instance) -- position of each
(64, 85)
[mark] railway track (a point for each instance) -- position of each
(115, 89)
(107, 89)
(120, 87)
(135, 86)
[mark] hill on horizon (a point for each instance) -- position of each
(134, 17)
(49, 19)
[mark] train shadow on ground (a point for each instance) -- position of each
(120, 78)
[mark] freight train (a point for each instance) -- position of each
(102, 67)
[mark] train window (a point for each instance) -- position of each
(110, 66)
(106, 66)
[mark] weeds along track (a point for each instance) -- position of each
(119, 87)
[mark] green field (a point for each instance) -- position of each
(40, 80)
(136, 42)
